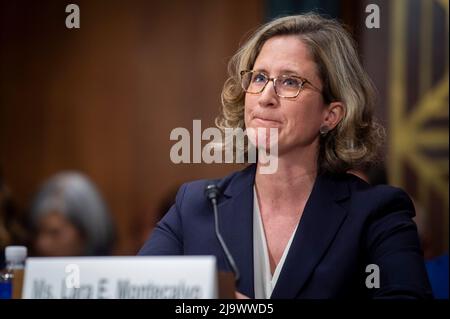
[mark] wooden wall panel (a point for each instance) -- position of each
(103, 99)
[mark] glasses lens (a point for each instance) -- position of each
(288, 86)
(253, 82)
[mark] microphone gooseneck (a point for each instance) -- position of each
(212, 192)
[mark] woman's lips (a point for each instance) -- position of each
(266, 121)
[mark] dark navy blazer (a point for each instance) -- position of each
(346, 225)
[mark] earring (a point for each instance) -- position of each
(324, 129)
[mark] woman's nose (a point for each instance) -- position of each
(268, 97)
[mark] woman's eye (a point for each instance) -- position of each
(259, 78)
(291, 82)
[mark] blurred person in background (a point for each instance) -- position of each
(70, 218)
(13, 230)
(437, 266)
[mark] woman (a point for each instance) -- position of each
(309, 230)
(70, 218)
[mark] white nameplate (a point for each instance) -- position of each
(139, 277)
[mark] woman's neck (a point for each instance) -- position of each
(293, 179)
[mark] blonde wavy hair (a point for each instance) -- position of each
(356, 140)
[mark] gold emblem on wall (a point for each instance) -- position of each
(410, 132)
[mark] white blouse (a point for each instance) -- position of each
(264, 282)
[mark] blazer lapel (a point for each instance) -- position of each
(321, 219)
(236, 225)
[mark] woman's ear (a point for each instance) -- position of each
(333, 114)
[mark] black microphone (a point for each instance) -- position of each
(212, 192)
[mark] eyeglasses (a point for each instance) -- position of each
(286, 86)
